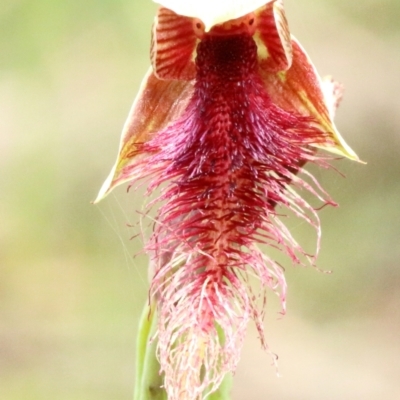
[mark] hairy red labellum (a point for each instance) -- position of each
(232, 152)
(229, 159)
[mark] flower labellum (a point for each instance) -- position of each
(225, 120)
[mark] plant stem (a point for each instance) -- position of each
(149, 382)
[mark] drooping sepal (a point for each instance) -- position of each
(157, 104)
(173, 46)
(301, 90)
(274, 46)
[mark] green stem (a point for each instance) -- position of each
(148, 379)
(224, 391)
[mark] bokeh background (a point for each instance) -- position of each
(70, 289)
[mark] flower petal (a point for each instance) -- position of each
(300, 89)
(173, 46)
(213, 12)
(157, 103)
(274, 45)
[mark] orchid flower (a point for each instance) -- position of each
(226, 118)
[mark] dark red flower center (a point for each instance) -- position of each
(225, 59)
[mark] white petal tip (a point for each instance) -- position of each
(105, 188)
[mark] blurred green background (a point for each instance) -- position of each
(70, 290)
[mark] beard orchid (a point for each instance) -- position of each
(226, 118)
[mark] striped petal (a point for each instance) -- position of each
(272, 36)
(173, 46)
(301, 90)
(157, 103)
